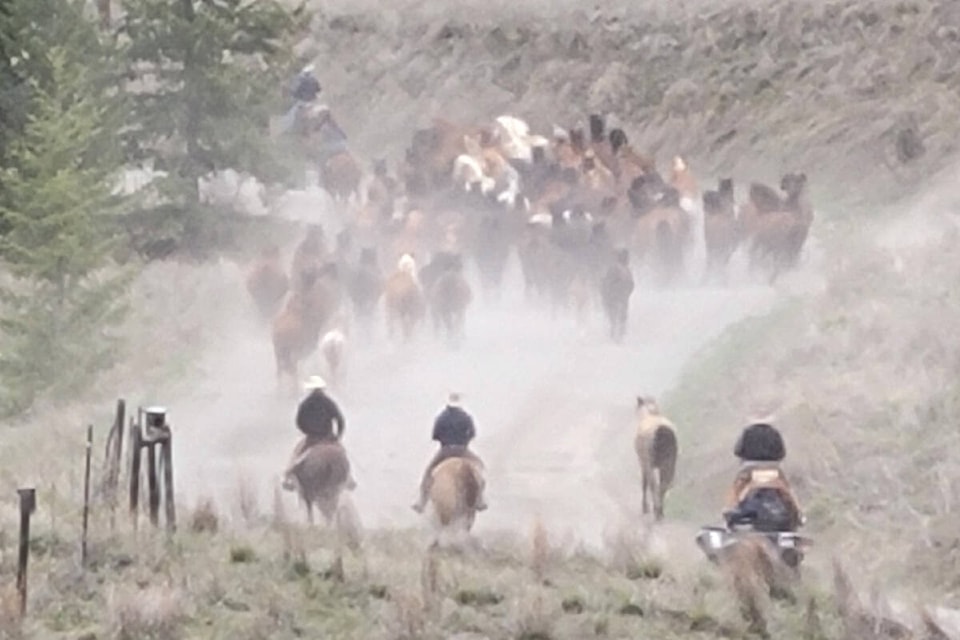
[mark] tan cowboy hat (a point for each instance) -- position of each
(761, 417)
(314, 382)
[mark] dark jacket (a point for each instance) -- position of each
(316, 415)
(453, 426)
(305, 87)
(760, 442)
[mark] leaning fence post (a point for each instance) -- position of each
(86, 498)
(114, 453)
(28, 503)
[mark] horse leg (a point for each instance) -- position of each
(645, 479)
(657, 487)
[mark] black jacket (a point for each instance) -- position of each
(316, 415)
(453, 426)
(760, 442)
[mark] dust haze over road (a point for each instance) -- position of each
(546, 394)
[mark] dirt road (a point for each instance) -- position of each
(547, 397)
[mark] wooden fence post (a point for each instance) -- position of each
(152, 484)
(152, 433)
(113, 453)
(28, 504)
(136, 446)
(167, 463)
(86, 498)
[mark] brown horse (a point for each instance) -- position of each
(404, 298)
(322, 473)
(721, 229)
(656, 446)
(267, 283)
(456, 487)
(450, 296)
(341, 175)
(616, 287)
(778, 236)
(308, 256)
(296, 330)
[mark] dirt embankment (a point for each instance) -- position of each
(860, 95)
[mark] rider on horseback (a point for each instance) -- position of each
(306, 87)
(453, 429)
(316, 416)
(760, 487)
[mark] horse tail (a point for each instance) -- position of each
(470, 486)
(665, 454)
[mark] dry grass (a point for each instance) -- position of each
(408, 619)
(204, 517)
(535, 615)
(154, 612)
(629, 550)
(11, 623)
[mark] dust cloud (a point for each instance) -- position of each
(548, 394)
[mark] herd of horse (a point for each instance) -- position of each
(581, 209)
(583, 212)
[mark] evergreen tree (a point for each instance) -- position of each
(65, 298)
(209, 75)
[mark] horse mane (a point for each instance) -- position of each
(649, 405)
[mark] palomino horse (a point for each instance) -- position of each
(656, 447)
(322, 473)
(404, 298)
(456, 486)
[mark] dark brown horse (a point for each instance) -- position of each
(616, 287)
(450, 296)
(322, 473)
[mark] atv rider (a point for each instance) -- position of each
(316, 416)
(453, 429)
(760, 488)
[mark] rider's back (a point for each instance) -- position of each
(453, 427)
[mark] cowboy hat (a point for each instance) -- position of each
(314, 382)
